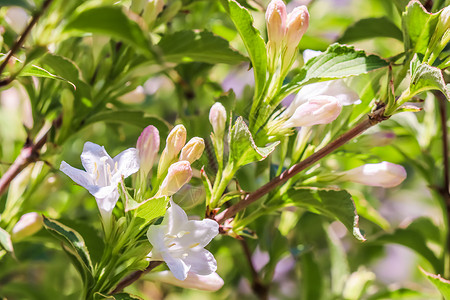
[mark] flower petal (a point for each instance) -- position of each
(106, 204)
(127, 162)
(201, 261)
(79, 176)
(90, 158)
(177, 266)
(155, 235)
(175, 219)
(201, 232)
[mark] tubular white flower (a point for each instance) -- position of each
(27, 225)
(148, 147)
(211, 283)
(102, 174)
(317, 110)
(384, 174)
(180, 243)
(193, 150)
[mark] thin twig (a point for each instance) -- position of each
(23, 36)
(372, 119)
(28, 154)
(134, 277)
(257, 286)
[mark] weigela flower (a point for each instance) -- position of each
(218, 119)
(211, 283)
(384, 174)
(174, 143)
(180, 243)
(103, 174)
(178, 175)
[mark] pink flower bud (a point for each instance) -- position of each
(317, 110)
(384, 174)
(27, 225)
(148, 147)
(297, 24)
(276, 22)
(193, 150)
(178, 175)
(218, 119)
(212, 282)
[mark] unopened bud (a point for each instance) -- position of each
(174, 143)
(135, 96)
(178, 175)
(27, 225)
(384, 174)
(444, 18)
(17, 18)
(297, 24)
(317, 110)
(218, 119)
(212, 282)
(193, 150)
(148, 147)
(276, 22)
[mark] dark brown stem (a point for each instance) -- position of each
(372, 119)
(28, 154)
(23, 37)
(257, 286)
(134, 277)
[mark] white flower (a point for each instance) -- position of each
(102, 174)
(180, 243)
(384, 174)
(317, 110)
(210, 283)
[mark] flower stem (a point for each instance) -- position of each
(373, 119)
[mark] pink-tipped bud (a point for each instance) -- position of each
(212, 282)
(178, 175)
(193, 150)
(276, 22)
(317, 110)
(297, 24)
(27, 225)
(148, 147)
(384, 174)
(218, 119)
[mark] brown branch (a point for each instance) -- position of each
(28, 154)
(257, 286)
(22, 38)
(372, 120)
(134, 277)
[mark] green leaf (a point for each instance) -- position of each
(401, 4)
(72, 239)
(443, 285)
(371, 28)
(5, 241)
(312, 278)
(22, 3)
(425, 77)
(336, 204)
(243, 149)
(339, 61)
(187, 46)
(414, 239)
(253, 41)
(150, 209)
(400, 294)
(340, 270)
(110, 21)
(418, 27)
(137, 118)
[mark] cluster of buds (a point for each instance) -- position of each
(175, 161)
(284, 33)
